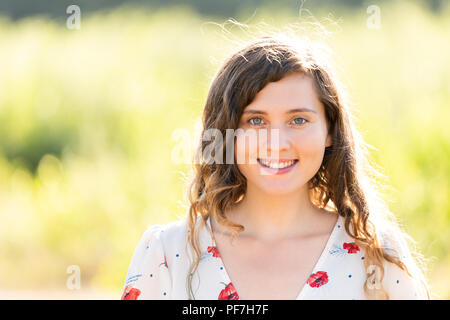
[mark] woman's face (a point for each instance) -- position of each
(300, 141)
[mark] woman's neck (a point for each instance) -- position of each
(272, 217)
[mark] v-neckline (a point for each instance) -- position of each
(318, 264)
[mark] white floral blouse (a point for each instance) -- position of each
(161, 261)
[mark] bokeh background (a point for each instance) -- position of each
(87, 122)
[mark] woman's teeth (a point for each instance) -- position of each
(277, 164)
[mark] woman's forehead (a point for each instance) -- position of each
(294, 93)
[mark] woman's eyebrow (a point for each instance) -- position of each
(252, 111)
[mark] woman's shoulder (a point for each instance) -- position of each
(173, 236)
(173, 233)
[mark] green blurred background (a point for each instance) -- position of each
(87, 119)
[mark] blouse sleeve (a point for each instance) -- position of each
(148, 276)
(396, 281)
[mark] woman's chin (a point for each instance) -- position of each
(274, 189)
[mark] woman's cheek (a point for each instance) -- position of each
(311, 141)
(241, 150)
(311, 149)
(308, 145)
(246, 149)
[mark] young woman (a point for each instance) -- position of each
(298, 217)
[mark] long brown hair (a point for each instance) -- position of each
(345, 180)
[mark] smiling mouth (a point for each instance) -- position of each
(277, 164)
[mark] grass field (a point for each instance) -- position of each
(87, 116)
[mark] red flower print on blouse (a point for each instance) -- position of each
(130, 293)
(214, 252)
(351, 247)
(164, 263)
(317, 279)
(229, 293)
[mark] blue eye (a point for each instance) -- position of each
(304, 120)
(256, 123)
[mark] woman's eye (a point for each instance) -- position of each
(302, 120)
(256, 121)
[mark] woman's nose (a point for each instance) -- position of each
(277, 141)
